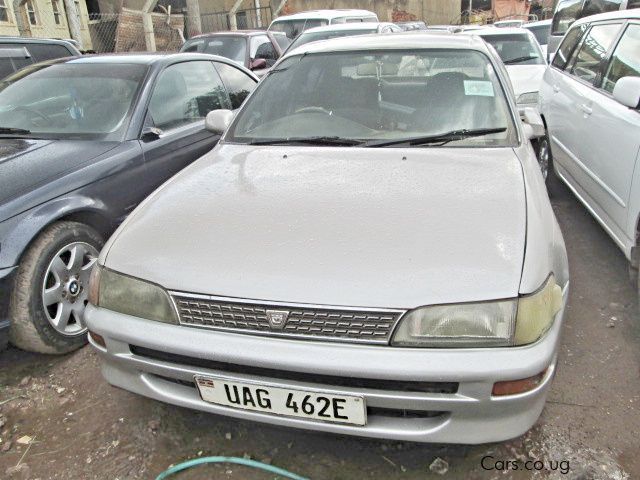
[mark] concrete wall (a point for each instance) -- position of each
(130, 34)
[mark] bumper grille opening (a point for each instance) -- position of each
(402, 413)
(328, 380)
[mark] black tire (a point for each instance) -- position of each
(31, 328)
(545, 160)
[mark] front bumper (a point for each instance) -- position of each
(467, 415)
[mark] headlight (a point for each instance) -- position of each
(131, 296)
(529, 98)
(484, 324)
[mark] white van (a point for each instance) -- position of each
(293, 25)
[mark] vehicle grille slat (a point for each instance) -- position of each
(313, 322)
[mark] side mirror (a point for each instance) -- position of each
(217, 121)
(627, 92)
(257, 64)
(533, 124)
(149, 134)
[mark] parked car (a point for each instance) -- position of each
(341, 30)
(293, 25)
(256, 50)
(410, 26)
(317, 268)
(568, 11)
(541, 31)
(590, 102)
(19, 52)
(525, 62)
(83, 141)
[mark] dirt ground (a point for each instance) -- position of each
(60, 420)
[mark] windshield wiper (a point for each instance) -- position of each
(440, 139)
(519, 59)
(335, 141)
(14, 131)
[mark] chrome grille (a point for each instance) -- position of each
(330, 323)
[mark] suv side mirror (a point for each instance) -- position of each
(258, 64)
(217, 121)
(627, 92)
(533, 124)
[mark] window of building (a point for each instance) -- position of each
(4, 11)
(56, 12)
(31, 12)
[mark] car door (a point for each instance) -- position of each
(173, 135)
(570, 107)
(611, 133)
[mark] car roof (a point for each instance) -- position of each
(145, 58)
(539, 23)
(633, 13)
(497, 31)
(346, 26)
(313, 14)
(41, 41)
(228, 33)
(397, 41)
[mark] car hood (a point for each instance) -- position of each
(28, 163)
(334, 226)
(525, 78)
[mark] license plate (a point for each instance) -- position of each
(311, 404)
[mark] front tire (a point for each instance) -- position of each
(50, 290)
(545, 161)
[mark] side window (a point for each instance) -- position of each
(238, 83)
(261, 47)
(567, 46)
(593, 7)
(625, 61)
(43, 52)
(593, 50)
(185, 92)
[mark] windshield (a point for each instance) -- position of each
(69, 100)
(383, 97)
(567, 12)
(305, 38)
(541, 32)
(516, 49)
(293, 28)
(233, 47)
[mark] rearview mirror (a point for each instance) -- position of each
(258, 64)
(217, 121)
(534, 126)
(627, 92)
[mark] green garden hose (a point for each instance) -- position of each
(240, 461)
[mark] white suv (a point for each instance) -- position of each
(589, 100)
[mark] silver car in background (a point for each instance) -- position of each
(370, 250)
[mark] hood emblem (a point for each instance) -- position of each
(277, 318)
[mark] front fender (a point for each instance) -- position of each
(18, 232)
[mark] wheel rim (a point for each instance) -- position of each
(543, 158)
(66, 286)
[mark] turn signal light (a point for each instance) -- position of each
(97, 339)
(513, 387)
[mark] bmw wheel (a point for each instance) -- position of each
(50, 291)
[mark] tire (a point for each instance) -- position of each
(49, 294)
(545, 160)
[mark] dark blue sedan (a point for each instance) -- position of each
(82, 142)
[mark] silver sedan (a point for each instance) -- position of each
(370, 250)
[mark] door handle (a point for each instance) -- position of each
(556, 89)
(586, 109)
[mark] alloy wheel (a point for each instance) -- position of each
(65, 287)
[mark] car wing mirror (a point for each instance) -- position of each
(258, 64)
(149, 134)
(627, 92)
(217, 121)
(533, 124)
